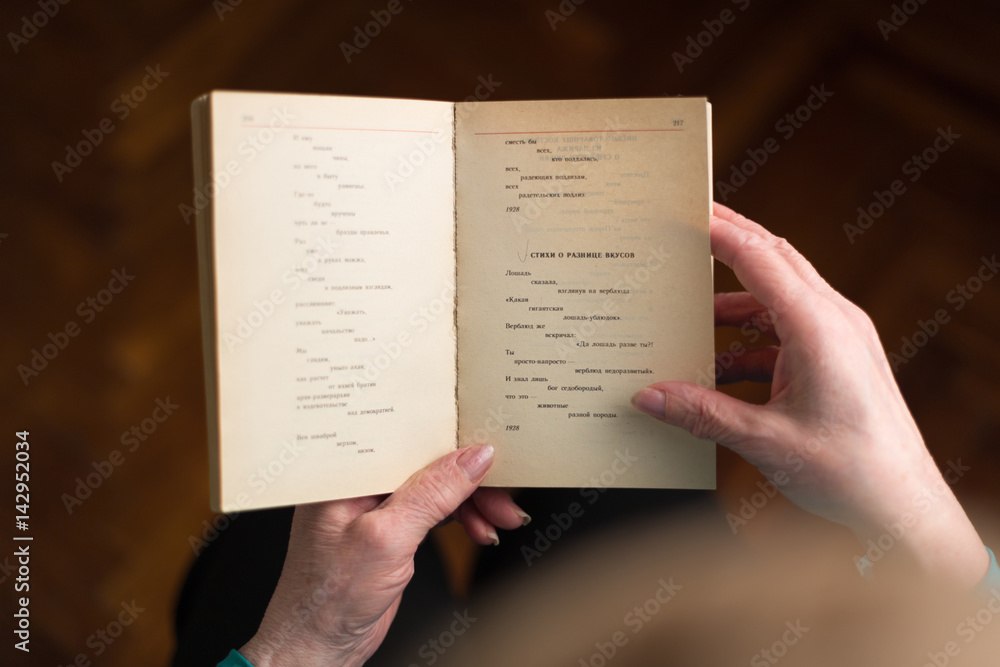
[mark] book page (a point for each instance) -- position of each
(585, 273)
(333, 257)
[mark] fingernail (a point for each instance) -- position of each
(651, 401)
(525, 519)
(493, 536)
(476, 460)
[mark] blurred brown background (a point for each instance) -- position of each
(62, 235)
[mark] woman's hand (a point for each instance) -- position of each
(836, 436)
(349, 560)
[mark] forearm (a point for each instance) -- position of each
(262, 651)
(928, 529)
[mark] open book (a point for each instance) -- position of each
(384, 280)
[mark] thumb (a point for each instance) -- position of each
(704, 413)
(431, 495)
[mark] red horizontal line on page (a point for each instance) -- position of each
(346, 129)
(585, 131)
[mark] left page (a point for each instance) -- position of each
(331, 268)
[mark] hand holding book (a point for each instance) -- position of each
(349, 560)
(836, 428)
(386, 280)
(836, 438)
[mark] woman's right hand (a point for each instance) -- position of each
(836, 436)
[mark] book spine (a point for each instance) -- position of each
(454, 215)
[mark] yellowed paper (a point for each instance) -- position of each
(333, 260)
(584, 274)
(328, 230)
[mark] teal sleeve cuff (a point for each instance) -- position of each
(991, 581)
(234, 659)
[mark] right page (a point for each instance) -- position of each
(584, 274)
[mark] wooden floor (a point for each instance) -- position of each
(886, 97)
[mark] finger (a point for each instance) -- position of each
(765, 274)
(499, 508)
(337, 513)
(738, 219)
(755, 364)
(433, 493)
(366, 503)
(478, 528)
(740, 309)
(704, 413)
(800, 264)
